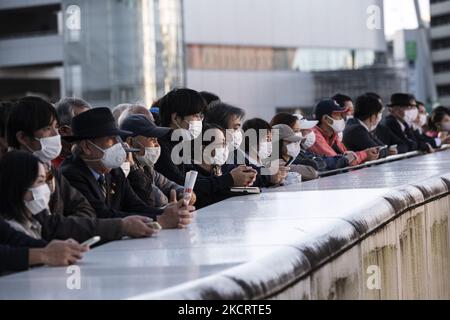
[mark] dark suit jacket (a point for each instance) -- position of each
(424, 139)
(165, 165)
(121, 200)
(14, 248)
(209, 188)
(406, 139)
(358, 138)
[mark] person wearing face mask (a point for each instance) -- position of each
(419, 126)
(256, 152)
(182, 111)
(403, 111)
(94, 169)
(25, 194)
(230, 118)
(289, 149)
(66, 109)
(151, 186)
(360, 132)
(307, 158)
(331, 122)
(439, 124)
(210, 153)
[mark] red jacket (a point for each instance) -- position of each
(324, 147)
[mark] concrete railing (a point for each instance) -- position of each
(380, 232)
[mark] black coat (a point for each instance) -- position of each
(165, 165)
(358, 138)
(121, 201)
(14, 248)
(211, 189)
(391, 133)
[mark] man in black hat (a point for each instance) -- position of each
(94, 169)
(151, 186)
(403, 112)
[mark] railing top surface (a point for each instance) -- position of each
(261, 239)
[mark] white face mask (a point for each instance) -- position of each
(293, 149)
(50, 148)
(194, 131)
(411, 115)
(423, 120)
(338, 126)
(113, 157)
(41, 198)
(445, 126)
(349, 117)
(265, 150)
(237, 139)
(310, 140)
(126, 168)
(220, 157)
(150, 157)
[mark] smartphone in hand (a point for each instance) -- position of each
(91, 242)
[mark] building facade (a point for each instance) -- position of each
(440, 45)
(263, 54)
(106, 51)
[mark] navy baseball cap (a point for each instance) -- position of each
(140, 125)
(327, 107)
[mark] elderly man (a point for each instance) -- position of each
(94, 169)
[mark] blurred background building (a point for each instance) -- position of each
(440, 45)
(106, 51)
(262, 55)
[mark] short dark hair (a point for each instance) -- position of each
(29, 115)
(18, 172)
(420, 103)
(210, 97)
(65, 109)
(367, 106)
(373, 94)
(284, 118)
(184, 102)
(256, 124)
(437, 116)
(220, 113)
(5, 109)
(341, 99)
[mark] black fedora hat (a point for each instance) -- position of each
(401, 100)
(94, 123)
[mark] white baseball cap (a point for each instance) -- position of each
(305, 124)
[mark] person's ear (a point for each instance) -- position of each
(326, 119)
(85, 147)
(129, 141)
(22, 138)
(174, 117)
(65, 131)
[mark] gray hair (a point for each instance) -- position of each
(66, 109)
(118, 110)
(134, 109)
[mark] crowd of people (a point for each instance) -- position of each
(70, 172)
